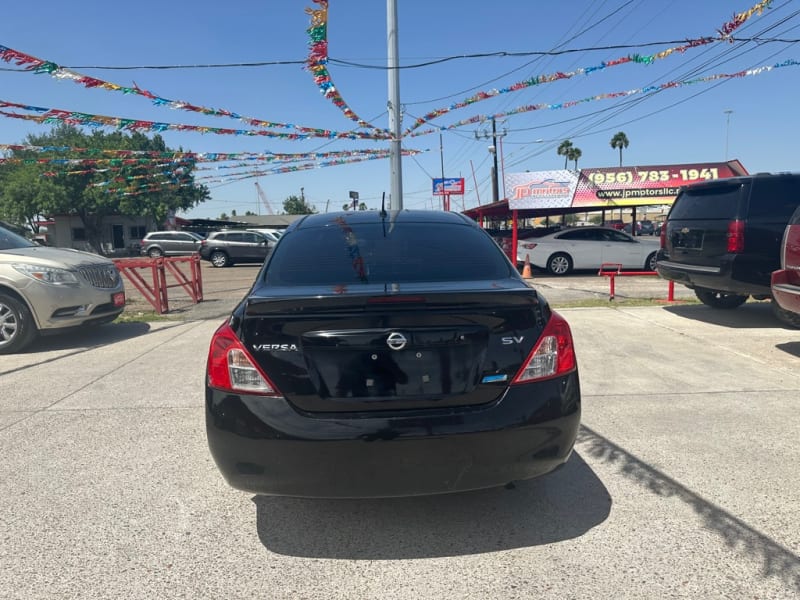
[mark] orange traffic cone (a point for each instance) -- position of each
(526, 269)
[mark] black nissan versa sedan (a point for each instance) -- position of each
(370, 360)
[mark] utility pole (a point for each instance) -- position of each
(395, 116)
(493, 151)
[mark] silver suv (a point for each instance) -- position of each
(170, 243)
(47, 290)
(226, 248)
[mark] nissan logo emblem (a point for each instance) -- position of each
(396, 341)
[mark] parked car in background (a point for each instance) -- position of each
(614, 223)
(170, 243)
(646, 227)
(587, 248)
(627, 228)
(271, 234)
(722, 238)
(51, 290)
(785, 282)
(369, 360)
(226, 248)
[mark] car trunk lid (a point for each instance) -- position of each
(427, 347)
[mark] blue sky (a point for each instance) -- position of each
(681, 125)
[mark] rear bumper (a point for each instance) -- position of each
(264, 445)
(786, 289)
(733, 275)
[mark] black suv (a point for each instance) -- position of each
(225, 248)
(722, 238)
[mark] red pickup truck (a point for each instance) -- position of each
(786, 280)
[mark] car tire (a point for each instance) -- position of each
(17, 328)
(219, 259)
(155, 253)
(650, 263)
(786, 316)
(559, 264)
(716, 299)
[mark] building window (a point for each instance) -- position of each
(138, 232)
(78, 234)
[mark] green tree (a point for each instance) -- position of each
(151, 184)
(563, 150)
(24, 192)
(294, 205)
(620, 140)
(349, 206)
(224, 217)
(574, 154)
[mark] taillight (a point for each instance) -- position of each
(553, 355)
(736, 236)
(231, 368)
(529, 246)
(663, 235)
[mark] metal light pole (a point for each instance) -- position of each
(493, 151)
(727, 112)
(395, 116)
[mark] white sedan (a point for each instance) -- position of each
(588, 248)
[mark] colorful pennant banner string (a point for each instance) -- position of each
(147, 157)
(644, 90)
(39, 66)
(51, 116)
(259, 173)
(317, 63)
(723, 35)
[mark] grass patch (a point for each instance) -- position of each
(142, 316)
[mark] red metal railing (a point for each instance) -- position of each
(618, 272)
(156, 293)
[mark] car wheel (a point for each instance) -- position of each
(786, 316)
(650, 263)
(17, 329)
(155, 253)
(559, 264)
(219, 259)
(716, 299)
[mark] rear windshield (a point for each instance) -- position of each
(373, 253)
(714, 202)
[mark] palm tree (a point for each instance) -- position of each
(574, 154)
(563, 150)
(620, 140)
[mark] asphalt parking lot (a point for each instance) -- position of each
(684, 482)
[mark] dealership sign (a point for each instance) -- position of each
(447, 186)
(542, 189)
(612, 186)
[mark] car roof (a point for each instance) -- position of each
(568, 229)
(375, 216)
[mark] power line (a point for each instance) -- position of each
(428, 63)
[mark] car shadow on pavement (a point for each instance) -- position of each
(559, 506)
(776, 561)
(88, 337)
(792, 348)
(755, 315)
